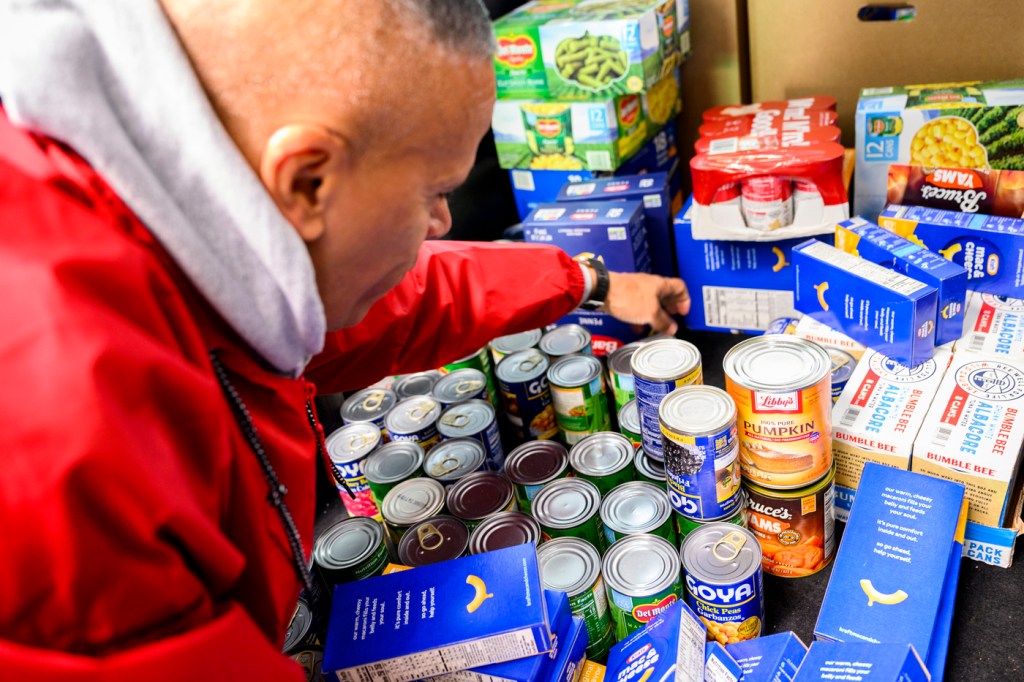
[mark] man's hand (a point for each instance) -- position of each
(639, 298)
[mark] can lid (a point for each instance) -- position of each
(299, 626)
(466, 419)
(641, 565)
(348, 543)
(777, 363)
(843, 365)
(459, 386)
(720, 552)
(412, 415)
(618, 361)
(601, 454)
(479, 495)
(368, 404)
(536, 461)
(452, 459)
(629, 417)
(411, 501)
(572, 371)
(569, 565)
(352, 442)
(665, 360)
(393, 462)
(648, 466)
(516, 342)
(635, 507)
(436, 539)
(564, 340)
(696, 410)
(420, 383)
(522, 366)
(504, 529)
(565, 503)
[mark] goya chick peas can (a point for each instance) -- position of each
(475, 419)
(577, 393)
(570, 507)
(796, 528)
(573, 566)
(533, 464)
(524, 389)
(724, 583)
(698, 428)
(369, 405)
(637, 507)
(459, 386)
(783, 393)
(349, 448)
(642, 576)
(415, 419)
(605, 459)
(659, 368)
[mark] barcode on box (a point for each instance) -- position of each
(599, 161)
(523, 180)
(942, 436)
(850, 417)
(728, 145)
(976, 343)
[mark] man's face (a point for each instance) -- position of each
(395, 195)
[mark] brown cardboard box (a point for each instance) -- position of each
(811, 47)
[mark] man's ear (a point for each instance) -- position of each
(300, 168)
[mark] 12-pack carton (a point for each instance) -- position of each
(994, 326)
(859, 662)
(613, 232)
(672, 640)
(773, 658)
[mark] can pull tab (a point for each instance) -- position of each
(430, 538)
(733, 541)
(529, 363)
(360, 441)
(468, 386)
(374, 400)
(839, 361)
(456, 420)
(445, 466)
(421, 411)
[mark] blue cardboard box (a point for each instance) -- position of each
(862, 662)
(774, 658)
(612, 231)
(990, 248)
(441, 618)
(674, 639)
(877, 307)
(573, 654)
(719, 665)
(871, 242)
(607, 333)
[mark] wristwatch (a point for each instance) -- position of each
(600, 291)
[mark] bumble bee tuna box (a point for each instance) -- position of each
(994, 326)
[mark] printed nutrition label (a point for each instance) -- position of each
(734, 308)
(893, 281)
(690, 650)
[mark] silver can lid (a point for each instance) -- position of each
(574, 370)
(601, 454)
(299, 626)
(516, 342)
(569, 565)
(564, 340)
(412, 415)
(504, 529)
(452, 459)
(525, 365)
(466, 419)
(629, 417)
(566, 502)
(413, 500)
(641, 565)
(665, 360)
(536, 461)
(697, 409)
(777, 363)
(420, 383)
(843, 365)
(368, 405)
(459, 386)
(395, 461)
(348, 543)
(648, 466)
(635, 507)
(352, 442)
(719, 553)
(618, 361)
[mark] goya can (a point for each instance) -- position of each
(368, 405)
(620, 376)
(437, 539)
(390, 464)
(570, 507)
(605, 459)
(573, 566)
(649, 469)
(475, 419)
(480, 360)
(455, 459)
(659, 368)
(637, 507)
(629, 422)
(724, 583)
(698, 429)
(302, 643)
(480, 495)
(459, 386)
(348, 447)
(796, 528)
(415, 419)
(642, 576)
(566, 339)
(686, 525)
(410, 502)
(577, 393)
(350, 550)
(843, 365)
(512, 343)
(524, 389)
(533, 464)
(420, 383)
(783, 393)
(504, 529)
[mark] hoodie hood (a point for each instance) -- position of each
(110, 79)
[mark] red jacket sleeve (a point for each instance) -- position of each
(459, 296)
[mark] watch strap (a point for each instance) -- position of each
(599, 292)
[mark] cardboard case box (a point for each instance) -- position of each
(611, 231)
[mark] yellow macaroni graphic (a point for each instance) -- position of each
(875, 596)
(481, 593)
(821, 289)
(948, 142)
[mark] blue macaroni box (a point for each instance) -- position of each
(607, 333)
(719, 665)
(450, 616)
(569, 664)
(871, 242)
(612, 231)
(773, 658)
(990, 248)
(858, 662)
(672, 640)
(873, 305)
(890, 574)
(944, 623)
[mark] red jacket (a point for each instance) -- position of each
(137, 539)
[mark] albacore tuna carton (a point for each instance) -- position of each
(994, 326)
(878, 417)
(823, 335)
(611, 231)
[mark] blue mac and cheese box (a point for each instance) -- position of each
(612, 231)
(873, 305)
(450, 616)
(773, 658)
(871, 242)
(672, 640)
(719, 665)
(573, 654)
(862, 663)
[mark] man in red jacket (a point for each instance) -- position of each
(195, 199)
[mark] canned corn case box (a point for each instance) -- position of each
(672, 640)
(612, 232)
(879, 308)
(772, 658)
(719, 665)
(440, 618)
(862, 662)
(994, 325)
(569, 664)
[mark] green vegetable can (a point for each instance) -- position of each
(642, 574)
(570, 507)
(480, 360)
(577, 392)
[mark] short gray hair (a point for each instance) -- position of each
(459, 25)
